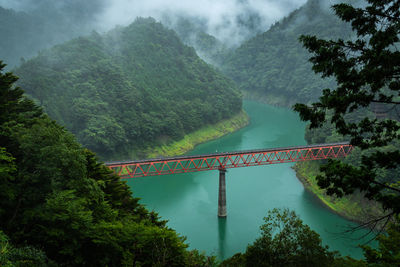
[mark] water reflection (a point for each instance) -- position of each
(340, 232)
(221, 237)
(190, 201)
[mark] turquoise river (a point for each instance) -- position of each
(190, 201)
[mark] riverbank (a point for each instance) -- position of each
(190, 201)
(354, 207)
(205, 134)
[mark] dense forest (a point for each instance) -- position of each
(274, 65)
(363, 108)
(355, 206)
(129, 88)
(135, 86)
(61, 206)
(194, 32)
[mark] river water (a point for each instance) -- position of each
(190, 201)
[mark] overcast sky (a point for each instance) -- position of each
(220, 15)
(215, 11)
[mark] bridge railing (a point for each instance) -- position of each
(216, 161)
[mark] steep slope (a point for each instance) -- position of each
(129, 88)
(193, 33)
(275, 65)
(43, 24)
(60, 206)
(214, 43)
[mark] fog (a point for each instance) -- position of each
(223, 19)
(231, 21)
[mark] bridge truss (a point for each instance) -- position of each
(224, 160)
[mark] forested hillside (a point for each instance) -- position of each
(60, 206)
(361, 109)
(214, 48)
(192, 32)
(274, 64)
(43, 24)
(133, 86)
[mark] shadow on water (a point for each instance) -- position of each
(221, 237)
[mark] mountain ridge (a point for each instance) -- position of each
(128, 87)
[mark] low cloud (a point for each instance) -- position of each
(222, 17)
(225, 19)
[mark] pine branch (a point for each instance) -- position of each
(385, 186)
(385, 102)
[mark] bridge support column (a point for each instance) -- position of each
(222, 194)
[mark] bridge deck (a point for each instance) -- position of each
(223, 160)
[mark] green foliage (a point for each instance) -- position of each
(11, 256)
(126, 89)
(367, 75)
(60, 206)
(274, 64)
(388, 252)
(284, 241)
(7, 168)
(355, 207)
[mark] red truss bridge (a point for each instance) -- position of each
(224, 160)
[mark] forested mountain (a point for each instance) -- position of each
(275, 65)
(60, 206)
(44, 23)
(130, 87)
(192, 32)
(215, 47)
(362, 117)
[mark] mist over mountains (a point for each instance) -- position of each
(34, 25)
(275, 66)
(130, 79)
(31, 26)
(231, 21)
(124, 90)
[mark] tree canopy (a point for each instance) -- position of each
(60, 206)
(274, 65)
(286, 241)
(367, 73)
(129, 88)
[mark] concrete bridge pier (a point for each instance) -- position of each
(222, 194)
